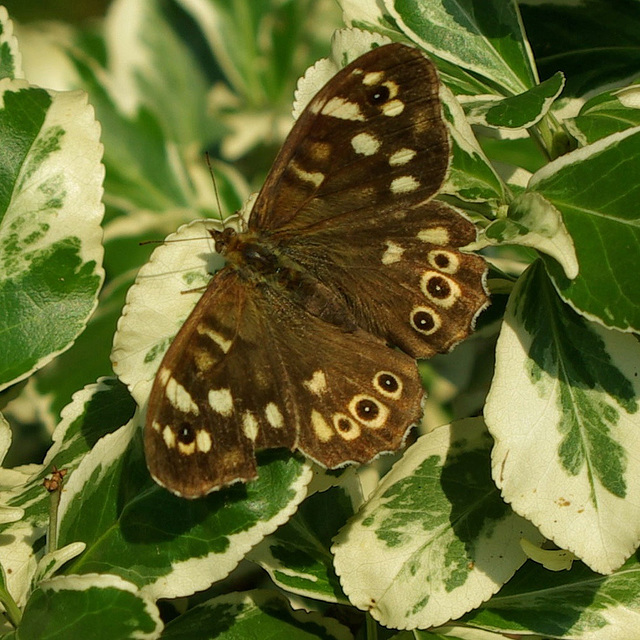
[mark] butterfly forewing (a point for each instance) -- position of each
(372, 138)
(346, 256)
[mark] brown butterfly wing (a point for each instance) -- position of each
(402, 274)
(252, 370)
(372, 139)
(349, 199)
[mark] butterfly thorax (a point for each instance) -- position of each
(253, 254)
(260, 261)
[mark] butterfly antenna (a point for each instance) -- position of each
(215, 186)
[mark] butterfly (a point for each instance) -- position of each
(348, 270)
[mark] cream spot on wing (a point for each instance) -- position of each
(368, 411)
(365, 144)
(393, 108)
(373, 77)
(316, 178)
(393, 253)
(317, 384)
(249, 425)
(393, 88)
(435, 235)
(203, 441)
(320, 151)
(180, 398)
(203, 360)
(346, 427)
(357, 72)
(445, 261)
(187, 449)
(321, 427)
(169, 437)
(404, 184)
(156, 426)
(221, 401)
(442, 291)
(424, 320)
(343, 109)
(215, 337)
(273, 415)
(163, 375)
(315, 106)
(400, 157)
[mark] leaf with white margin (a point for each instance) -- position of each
(563, 409)
(52, 561)
(10, 58)
(89, 606)
(5, 437)
(578, 604)
(449, 632)
(485, 38)
(165, 292)
(594, 190)
(168, 546)
(471, 176)
(435, 539)
(298, 555)
(515, 112)
(534, 222)
(606, 113)
(253, 614)
(94, 411)
(150, 65)
(50, 214)
(369, 15)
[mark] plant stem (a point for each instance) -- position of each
(372, 628)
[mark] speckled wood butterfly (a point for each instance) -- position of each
(347, 272)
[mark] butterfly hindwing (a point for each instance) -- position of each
(347, 399)
(402, 273)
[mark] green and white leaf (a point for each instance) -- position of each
(534, 222)
(593, 190)
(515, 112)
(607, 113)
(368, 15)
(471, 176)
(54, 560)
(435, 539)
(468, 34)
(89, 606)
(167, 288)
(5, 437)
(593, 42)
(10, 57)
(577, 604)
(50, 214)
(94, 411)
(298, 555)
(151, 67)
(239, 615)
(566, 449)
(112, 505)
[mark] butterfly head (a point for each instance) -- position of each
(224, 240)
